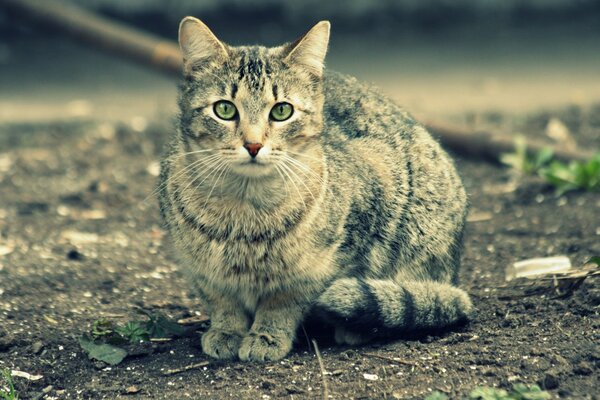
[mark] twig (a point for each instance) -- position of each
(322, 367)
(186, 368)
(489, 145)
(103, 33)
(391, 359)
(306, 336)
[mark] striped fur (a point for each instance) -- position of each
(350, 212)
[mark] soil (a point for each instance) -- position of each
(80, 239)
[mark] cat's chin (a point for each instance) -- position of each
(254, 169)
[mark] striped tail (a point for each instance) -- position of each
(382, 307)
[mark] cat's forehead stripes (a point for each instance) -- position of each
(254, 68)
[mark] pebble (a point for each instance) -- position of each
(293, 390)
(583, 368)
(267, 384)
(550, 381)
(132, 390)
(37, 347)
(370, 377)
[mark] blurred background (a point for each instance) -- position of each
(438, 58)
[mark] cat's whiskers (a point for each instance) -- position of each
(179, 173)
(207, 173)
(224, 169)
(294, 174)
(286, 186)
(178, 155)
(293, 183)
(303, 155)
(305, 169)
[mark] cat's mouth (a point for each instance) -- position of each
(253, 168)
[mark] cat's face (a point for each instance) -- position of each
(251, 107)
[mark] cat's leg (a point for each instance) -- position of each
(273, 331)
(228, 325)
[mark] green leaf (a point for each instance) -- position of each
(102, 327)
(133, 332)
(8, 392)
(594, 260)
(437, 395)
(542, 158)
(523, 392)
(160, 326)
(488, 393)
(108, 353)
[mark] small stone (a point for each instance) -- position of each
(370, 377)
(536, 351)
(564, 393)
(132, 390)
(74, 255)
(293, 390)
(337, 372)
(100, 365)
(583, 368)
(47, 389)
(560, 360)
(550, 381)
(267, 384)
(153, 168)
(37, 347)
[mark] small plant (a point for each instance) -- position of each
(519, 391)
(106, 339)
(524, 161)
(7, 387)
(437, 395)
(573, 176)
(576, 175)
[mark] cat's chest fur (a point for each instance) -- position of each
(248, 251)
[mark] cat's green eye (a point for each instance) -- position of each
(225, 110)
(281, 111)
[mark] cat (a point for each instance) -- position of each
(293, 192)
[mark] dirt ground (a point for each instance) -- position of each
(80, 239)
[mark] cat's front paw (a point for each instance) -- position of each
(221, 344)
(264, 347)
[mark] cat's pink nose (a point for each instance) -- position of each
(253, 148)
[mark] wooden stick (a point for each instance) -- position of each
(164, 56)
(490, 145)
(186, 368)
(95, 30)
(322, 368)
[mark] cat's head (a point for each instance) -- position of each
(251, 106)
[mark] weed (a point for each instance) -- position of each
(576, 175)
(106, 340)
(7, 387)
(518, 392)
(525, 161)
(573, 176)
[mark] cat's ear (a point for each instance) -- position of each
(310, 49)
(198, 44)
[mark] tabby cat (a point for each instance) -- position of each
(292, 192)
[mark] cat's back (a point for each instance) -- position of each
(360, 111)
